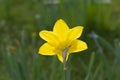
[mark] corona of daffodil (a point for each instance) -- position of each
(62, 41)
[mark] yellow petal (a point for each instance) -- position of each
(75, 33)
(61, 29)
(49, 37)
(47, 49)
(60, 57)
(77, 45)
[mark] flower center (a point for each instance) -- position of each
(63, 45)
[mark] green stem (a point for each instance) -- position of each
(65, 73)
(64, 55)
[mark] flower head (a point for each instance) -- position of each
(62, 41)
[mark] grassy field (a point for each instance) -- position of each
(21, 21)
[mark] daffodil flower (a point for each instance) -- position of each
(62, 41)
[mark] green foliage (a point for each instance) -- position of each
(32, 66)
(21, 20)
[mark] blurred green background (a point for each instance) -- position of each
(21, 21)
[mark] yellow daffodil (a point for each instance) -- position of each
(62, 41)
